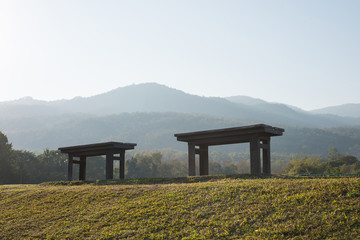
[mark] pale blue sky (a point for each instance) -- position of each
(305, 53)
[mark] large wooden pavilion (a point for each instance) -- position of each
(257, 135)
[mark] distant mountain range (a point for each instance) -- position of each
(345, 110)
(152, 97)
(150, 114)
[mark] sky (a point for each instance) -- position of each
(303, 53)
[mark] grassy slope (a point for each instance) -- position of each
(228, 208)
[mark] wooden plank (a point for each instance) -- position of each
(204, 160)
(191, 159)
(228, 140)
(230, 132)
(222, 140)
(109, 166)
(82, 168)
(70, 167)
(197, 150)
(122, 165)
(264, 146)
(98, 147)
(266, 157)
(255, 165)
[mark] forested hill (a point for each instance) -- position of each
(156, 131)
(150, 114)
(152, 97)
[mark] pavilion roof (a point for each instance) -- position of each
(97, 148)
(230, 135)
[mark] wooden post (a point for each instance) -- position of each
(204, 160)
(266, 157)
(191, 156)
(70, 167)
(255, 165)
(82, 168)
(122, 165)
(109, 165)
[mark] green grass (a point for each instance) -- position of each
(216, 207)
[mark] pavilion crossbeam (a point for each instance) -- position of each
(94, 153)
(227, 140)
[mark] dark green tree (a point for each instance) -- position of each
(304, 165)
(144, 165)
(333, 154)
(7, 163)
(28, 167)
(52, 166)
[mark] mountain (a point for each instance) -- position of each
(246, 100)
(291, 115)
(149, 97)
(345, 110)
(25, 101)
(152, 97)
(149, 114)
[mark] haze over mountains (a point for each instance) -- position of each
(152, 113)
(152, 97)
(345, 110)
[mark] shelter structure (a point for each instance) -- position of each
(257, 135)
(112, 151)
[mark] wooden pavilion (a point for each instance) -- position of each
(257, 135)
(112, 151)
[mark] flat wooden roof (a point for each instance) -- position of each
(97, 148)
(229, 135)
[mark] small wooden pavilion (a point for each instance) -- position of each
(112, 151)
(257, 135)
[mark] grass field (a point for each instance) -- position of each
(187, 208)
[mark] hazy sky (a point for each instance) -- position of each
(300, 52)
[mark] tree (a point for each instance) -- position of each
(304, 165)
(215, 168)
(333, 154)
(52, 166)
(27, 167)
(6, 160)
(144, 165)
(343, 164)
(229, 167)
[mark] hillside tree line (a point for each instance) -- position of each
(19, 166)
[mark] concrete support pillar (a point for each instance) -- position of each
(82, 168)
(191, 156)
(266, 157)
(70, 167)
(255, 164)
(109, 166)
(122, 165)
(204, 160)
